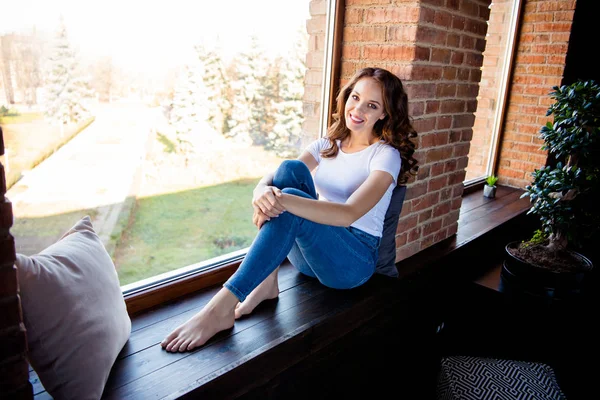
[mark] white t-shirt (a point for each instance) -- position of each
(337, 178)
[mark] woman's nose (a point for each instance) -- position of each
(361, 107)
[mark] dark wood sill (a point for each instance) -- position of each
(311, 339)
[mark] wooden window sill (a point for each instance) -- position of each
(306, 328)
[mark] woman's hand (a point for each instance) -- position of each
(259, 219)
(266, 200)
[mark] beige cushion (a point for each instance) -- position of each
(74, 313)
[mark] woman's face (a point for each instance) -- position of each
(364, 106)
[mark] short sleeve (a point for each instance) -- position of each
(316, 147)
(387, 159)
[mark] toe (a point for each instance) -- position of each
(184, 345)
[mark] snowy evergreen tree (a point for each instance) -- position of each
(66, 90)
(216, 86)
(249, 115)
(187, 108)
(285, 137)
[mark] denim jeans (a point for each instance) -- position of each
(339, 257)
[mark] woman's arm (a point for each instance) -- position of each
(264, 198)
(338, 214)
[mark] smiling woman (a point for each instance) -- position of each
(172, 99)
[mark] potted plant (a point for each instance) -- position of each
(489, 189)
(563, 195)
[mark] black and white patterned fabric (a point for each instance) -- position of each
(476, 378)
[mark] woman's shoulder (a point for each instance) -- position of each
(386, 148)
(320, 143)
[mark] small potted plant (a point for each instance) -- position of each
(564, 195)
(489, 189)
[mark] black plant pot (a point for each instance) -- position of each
(520, 275)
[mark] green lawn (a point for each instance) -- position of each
(32, 235)
(174, 230)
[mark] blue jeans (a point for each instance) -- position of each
(340, 258)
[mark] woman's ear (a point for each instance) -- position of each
(383, 116)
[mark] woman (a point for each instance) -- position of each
(335, 238)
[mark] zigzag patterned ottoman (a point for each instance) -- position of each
(477, 378)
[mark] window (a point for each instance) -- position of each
(497, 64)
(156, 121)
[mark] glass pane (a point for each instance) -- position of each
(155, 120)
(496, 58)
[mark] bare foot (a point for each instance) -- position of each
(216, 316)
(268, 289)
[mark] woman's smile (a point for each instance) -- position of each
(355, 119)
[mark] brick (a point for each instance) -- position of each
(351, 52)
(432, 106)
(316, 24)
(389, 52)
(427, 72)
(366, 2)
(435, 139)
(427, 15)
(417, 108)
(365, 34)
(558, 5)
(432, 36)
(318, 7)
(353, 16)
(426, 201)
(453, 40)
(401, 240)
(443, 18)
(437, 183)
(402, 33)
(463, 121)
(424, 124)
(444, 122)
(414, 234)
(425, 216)
(450, 166)
(441, 55)
(420, 90)
(458, 22)
(406, 224)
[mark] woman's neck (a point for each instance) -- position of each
(356, 142)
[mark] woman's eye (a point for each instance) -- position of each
(354, 97)
(373, 106)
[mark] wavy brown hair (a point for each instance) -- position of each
(395, 129)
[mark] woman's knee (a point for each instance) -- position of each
(291, 173)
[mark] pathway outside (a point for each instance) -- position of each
(93, 173)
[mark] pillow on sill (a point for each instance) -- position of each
(74, 312)
(386, 263)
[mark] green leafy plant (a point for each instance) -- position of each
(491, 180)
(564, 193)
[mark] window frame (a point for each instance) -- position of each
(156, 290)
(504, 89)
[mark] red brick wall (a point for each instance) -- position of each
(540, 64)
(435, 47)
